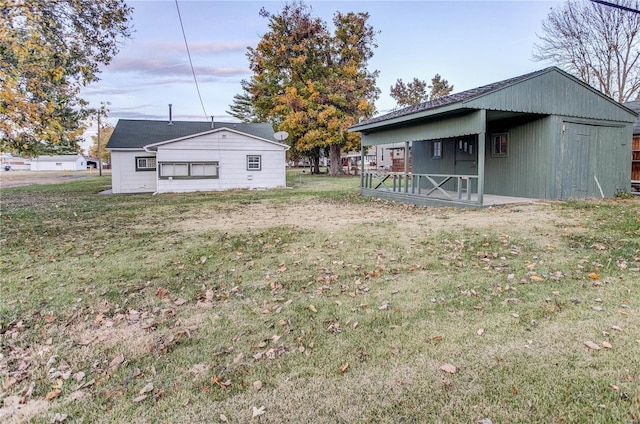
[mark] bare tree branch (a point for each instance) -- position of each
(597, 43)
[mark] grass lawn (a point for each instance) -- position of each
(312, 304)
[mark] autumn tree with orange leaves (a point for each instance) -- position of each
(313, 82)
(48, 51)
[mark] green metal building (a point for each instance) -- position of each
(543, 135)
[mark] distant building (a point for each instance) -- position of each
(184, 156)
(59, 163)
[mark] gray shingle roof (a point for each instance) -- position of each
(635, 106)
(453, 98)
(136, 134)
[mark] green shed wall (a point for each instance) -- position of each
(469, 123)
(609, 154)
(555, 94)
(525, 171)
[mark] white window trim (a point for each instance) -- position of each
(251, 166)
(145, 168)
(189, 167)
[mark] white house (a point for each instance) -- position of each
(184, 156)
(59, 163)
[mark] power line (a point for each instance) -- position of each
(617, 6)
(191, 62)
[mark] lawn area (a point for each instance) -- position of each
(312, 304)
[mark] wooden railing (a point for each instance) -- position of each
(424, 185)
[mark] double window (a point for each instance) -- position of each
(254, 163)
(146, 163)
(500, 145)
(188, 170)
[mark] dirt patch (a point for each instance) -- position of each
(336, 218)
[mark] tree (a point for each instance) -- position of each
(313, 83)
(409, 94)
(105, 133)
(242, 107)
(415, 92)
(597, 43)
(439, 87)
(48, 50)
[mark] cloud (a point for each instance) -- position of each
(170, 66)
(197, 48)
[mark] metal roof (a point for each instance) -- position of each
(635, 106)
(480, 97)
(136, 134)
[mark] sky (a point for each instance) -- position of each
(469, 43)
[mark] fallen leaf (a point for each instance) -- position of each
(59, 418)
(594, 276)
(344, 368)
(203, 259)
(139, 399)
(146, 389)
(480, 331)
(615, 327)
(162, 293)
(312, 308)
(223, 418)
(513, 390)
(180, 301)
(8, 383)
(437, 339)
(257, 385)
(451, 369)
(614, 387)
(49, 318)
(53, 394)
(117, 361)
(606, 345)
(592, 345)
(257, 411)
(537, 278)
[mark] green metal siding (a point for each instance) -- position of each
(553, 93)
(605, 152)
(467, 124)
(524, 172)
(423, 163)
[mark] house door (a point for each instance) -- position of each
(466, 158)
(574, 160)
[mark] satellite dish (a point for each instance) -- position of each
(281, 135)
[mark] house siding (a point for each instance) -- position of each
(230, 150)
(605, 168)
(48, 163)
(125, 178)
(470, 123)
(554, 94)
(528, 159)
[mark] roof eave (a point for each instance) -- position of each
(154, 146)
(409, 117)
